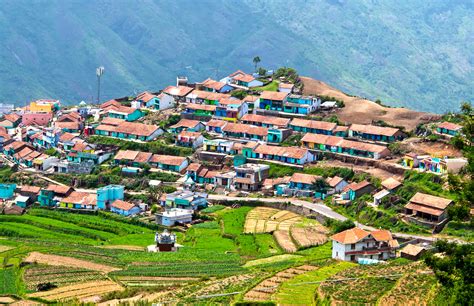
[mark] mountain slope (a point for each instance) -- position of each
(403, 52)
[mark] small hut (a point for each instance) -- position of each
(165, 242)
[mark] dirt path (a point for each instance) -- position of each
(377, 172)
(56, 260)
(363, 111)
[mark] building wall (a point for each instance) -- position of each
(35, 107)
(42, 119)
(165, 102)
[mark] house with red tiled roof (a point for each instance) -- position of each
(170, 163)
(129, 131)
(179, 93)
(10, 121)
(139, 159)
(187, 125)
(154, 101)
(449, 128)
(125, 113)
(242, 79)
(375, 133)
(215, 125)
(427, 209)
(189, 139)
(265, 121)
(272, 101)
(288, 155)
(340, 145)
(110, 103)
(355, 244)
(313, 126)
(124, 208)
(215, 86)
(205, 97)
(79, 200)
(355, 190)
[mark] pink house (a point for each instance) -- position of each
(36, 118)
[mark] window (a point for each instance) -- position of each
(353, 246)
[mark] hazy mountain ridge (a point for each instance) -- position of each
(407, 53)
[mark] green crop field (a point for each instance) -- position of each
(8, 281)
(214, 252)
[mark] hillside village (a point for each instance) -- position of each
(257, 148)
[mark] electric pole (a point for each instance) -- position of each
(99, 72)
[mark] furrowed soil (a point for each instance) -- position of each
(56, 260)
(265, 289)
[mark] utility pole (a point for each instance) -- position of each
(99, 72)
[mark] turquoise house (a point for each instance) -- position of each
(449, 128)
(277, 135)
(46, 198)
(22, 201)
(186, 199)
(108, 194)
(7, 191)
(125, 113)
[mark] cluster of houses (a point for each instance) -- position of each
(223, 129)
(110, 197)
(178, 206)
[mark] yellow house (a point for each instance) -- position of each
(39, 107)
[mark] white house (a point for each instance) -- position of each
(165, 101)
(355, 243)
(337, 183)
(172, 216)
(241, 79)
(285, 87)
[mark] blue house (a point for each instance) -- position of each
(108, 194)
(298, 104)
(215, 86)
(272, 100)
(124, 208)
(6, 191)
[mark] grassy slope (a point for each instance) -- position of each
(305, 293)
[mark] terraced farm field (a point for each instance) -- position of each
(95, 258)
(80, 291)
(369, 284)
(290, 230)
(58, 276)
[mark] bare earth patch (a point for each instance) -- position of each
(284, 240)
(363, 111)
(56, 260)
(89, 291)
(6, 300)
(309, 236)
(4, 248)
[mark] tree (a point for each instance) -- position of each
(454, 271)
(256, 60)
(320, 185)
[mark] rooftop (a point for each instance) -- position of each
(273, 95)
(374, 130)
(313, 124)
(269, 120)
(430, 200)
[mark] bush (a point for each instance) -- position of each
(239, 94)
(339, 226)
